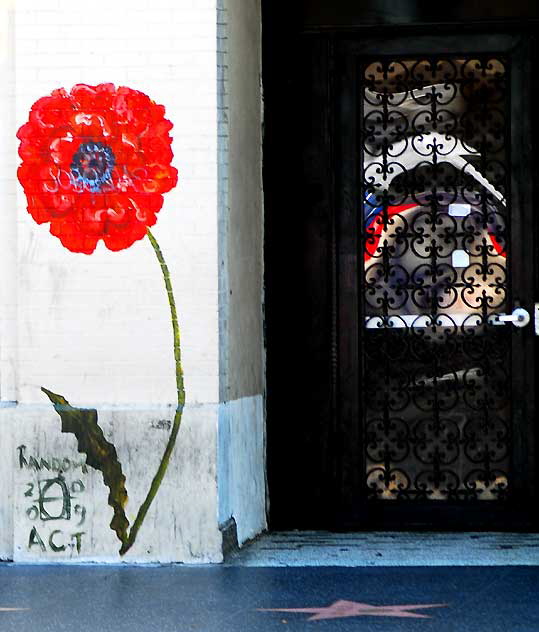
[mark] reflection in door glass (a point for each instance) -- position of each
(436, 253)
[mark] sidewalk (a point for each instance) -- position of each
(235, 597)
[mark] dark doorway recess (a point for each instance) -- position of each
(383, 414)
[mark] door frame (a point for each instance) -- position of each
(305, 492)
(355, 511)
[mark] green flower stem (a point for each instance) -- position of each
(159, 475)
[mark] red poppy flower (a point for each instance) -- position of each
(95, 164)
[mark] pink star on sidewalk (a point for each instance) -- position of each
(342, 608)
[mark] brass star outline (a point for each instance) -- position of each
(342, 608)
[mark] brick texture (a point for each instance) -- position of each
(97, 328)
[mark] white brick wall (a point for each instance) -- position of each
(241, 454)
(8, 267)
(96, 328)
(8, 214)
(223, 191)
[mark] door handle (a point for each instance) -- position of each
(519, 318)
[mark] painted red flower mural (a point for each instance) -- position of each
(95, 165)
(96, 162)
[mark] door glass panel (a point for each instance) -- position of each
(435, 247)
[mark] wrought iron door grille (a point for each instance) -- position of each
(435, 246)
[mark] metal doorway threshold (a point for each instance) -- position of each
(319, 548)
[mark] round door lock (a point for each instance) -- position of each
(520, 317)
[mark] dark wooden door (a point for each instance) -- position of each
(394, 398)
(435, 268)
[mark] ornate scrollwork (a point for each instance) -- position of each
(435, 248)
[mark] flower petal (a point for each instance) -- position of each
(95, 163)
(71, 236)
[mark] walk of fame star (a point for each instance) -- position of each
(342, 608)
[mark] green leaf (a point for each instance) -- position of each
(100, 454)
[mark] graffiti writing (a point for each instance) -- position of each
(52, 464)
(54, 500)
(120, 179)
(50, 500)
(57, 541)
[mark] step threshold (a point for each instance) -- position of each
(320, 548)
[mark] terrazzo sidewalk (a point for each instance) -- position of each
(230, 598)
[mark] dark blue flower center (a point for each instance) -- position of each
(92, 166)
